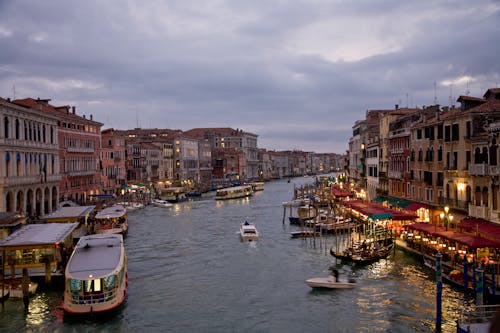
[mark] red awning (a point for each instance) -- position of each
(472, 241)
(414, 206)
(481, 227)
(373, 209)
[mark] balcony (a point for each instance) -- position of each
(481, 212)
(81, 173)
(396, 174)
(455, 204)
(494, 170)
(28, 180)
(479, 169)
(80, 150)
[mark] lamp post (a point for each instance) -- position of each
(446, 216)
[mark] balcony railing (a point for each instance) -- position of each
(28, 180)
(80, 150)
(395, 174)
(481, 212)
(81, 173)
(479, 170)
(454, 204)
(494, 170)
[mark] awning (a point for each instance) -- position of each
(472, 241)
(414, 206)
(382, 216)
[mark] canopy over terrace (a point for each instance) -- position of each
(341, 193)
(375, 211)
(469, 240)
(483, 228)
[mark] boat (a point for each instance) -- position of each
(366, 252)
(331, 282)
(173, 194)
(478, 318)
(111, 220)
(303, 234)
(257, 186)
(96, 278)
(248, 232)
(15, 287)
(161, 203)
(234, 192)
(193, 194)
(453, 276)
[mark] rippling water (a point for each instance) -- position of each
(189, 272)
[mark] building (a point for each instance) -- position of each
(113, 154)
(29, 168)
(79, 141)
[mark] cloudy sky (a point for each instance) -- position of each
(298, 73)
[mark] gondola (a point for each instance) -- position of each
(366, 254)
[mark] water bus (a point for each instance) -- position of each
(96, 275)
(173, 194)
(234, 192)
(111, 220)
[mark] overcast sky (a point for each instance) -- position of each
(296, 73)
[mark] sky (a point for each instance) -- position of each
(298, 73)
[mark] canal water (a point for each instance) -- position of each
(189, 272)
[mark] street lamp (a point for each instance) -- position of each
(446, 216)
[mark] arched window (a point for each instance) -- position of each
(6, 128)
(7, 165)
(485, 196)
(484, 158)
(26, 136)
(17, 130)
(477, 156)
(477, 196)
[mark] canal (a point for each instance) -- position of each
(189, 272)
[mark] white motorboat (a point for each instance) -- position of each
(161, 203)
(330, 282)
(248, 232)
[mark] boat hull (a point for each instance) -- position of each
(330, 283)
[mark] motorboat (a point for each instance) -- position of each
(111, 220)
(330, 282)
(161, 203)
(96, 277)
(248, 232)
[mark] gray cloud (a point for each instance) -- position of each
(297, 73)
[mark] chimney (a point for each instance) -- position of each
(396, 106)
(83, 116)
(73, 108)
(91, 118)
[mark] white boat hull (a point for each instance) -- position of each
(329, 282)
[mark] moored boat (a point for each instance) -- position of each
(111, 220)
(248, 232)
(234, 192)
(96, 275)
